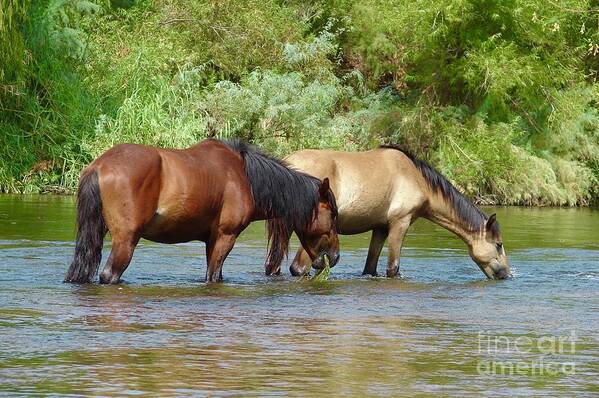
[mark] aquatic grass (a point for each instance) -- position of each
(21, 313)
(321, 275)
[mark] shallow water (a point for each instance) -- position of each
(440, 330)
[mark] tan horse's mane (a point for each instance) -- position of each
(470, 215)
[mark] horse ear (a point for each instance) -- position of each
(324, 188)
(491, 221)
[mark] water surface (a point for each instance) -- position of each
(440, 330)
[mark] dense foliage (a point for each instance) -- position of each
(500, 95)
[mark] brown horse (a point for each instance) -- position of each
(209, 192)
(385, 190)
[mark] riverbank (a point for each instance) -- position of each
(501, 98)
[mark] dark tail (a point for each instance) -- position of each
(90, 231)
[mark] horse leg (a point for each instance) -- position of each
(217, 250)
(374, 251)
(120, 257)
(397, 232)
(301, 263)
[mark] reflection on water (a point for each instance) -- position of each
(437, 331)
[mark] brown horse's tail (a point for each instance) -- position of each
(90, 231)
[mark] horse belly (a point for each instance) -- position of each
(175, 227)
(357, 216)
(182, 216)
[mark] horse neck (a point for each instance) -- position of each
(441, 211)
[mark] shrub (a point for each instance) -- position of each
(481, 89)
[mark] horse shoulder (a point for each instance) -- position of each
(408, 195)
(229, 181)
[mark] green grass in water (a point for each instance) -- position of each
(323, 274)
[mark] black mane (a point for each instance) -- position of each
(286, 197)
(470, 215)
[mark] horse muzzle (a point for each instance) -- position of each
(108, 278)
(319, 262)
(501, 269)
(496, 271)
(502, 273)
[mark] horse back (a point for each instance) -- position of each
(173, 195)
(371, 187)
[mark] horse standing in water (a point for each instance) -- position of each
(385, 190)
(209, 192)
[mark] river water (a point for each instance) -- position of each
(440, 330)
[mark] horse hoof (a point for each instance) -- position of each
(393, 273)
(373, 274)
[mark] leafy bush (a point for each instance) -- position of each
(481, 89)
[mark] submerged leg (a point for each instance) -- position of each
(301, 263)
(397, 232)
(374, 251)
(217, 250)
(119, 259)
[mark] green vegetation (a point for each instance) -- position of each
(323, 274)
(501, 96)
(320, 275)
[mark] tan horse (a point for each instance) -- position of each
(385, 190)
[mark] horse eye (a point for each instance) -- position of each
(499, 245)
